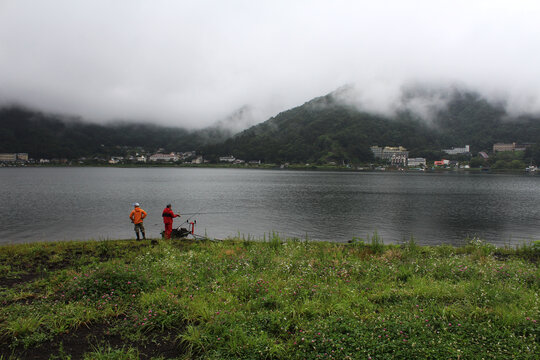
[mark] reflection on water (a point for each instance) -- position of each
(42, 204)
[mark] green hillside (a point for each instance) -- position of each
(325, 129)
(53, 136)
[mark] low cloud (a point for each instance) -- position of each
(192, 63)
(421, 99)
(241, 119)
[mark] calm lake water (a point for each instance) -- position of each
(45, 204)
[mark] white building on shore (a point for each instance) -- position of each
(197, 160)
(456, 151)
(13, 157)
(415, 162)
(229, 158)
(396, 154)
(163, 157)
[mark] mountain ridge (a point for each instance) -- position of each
(327, 128)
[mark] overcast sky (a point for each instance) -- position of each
(191, 63)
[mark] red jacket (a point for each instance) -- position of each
(168, 216)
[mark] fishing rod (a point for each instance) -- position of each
(201, 213)
(189, 218)
(204, 213)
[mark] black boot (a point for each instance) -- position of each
(143, 236)
(137, 236)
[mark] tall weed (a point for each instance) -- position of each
(377, 243)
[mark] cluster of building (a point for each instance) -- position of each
(185, 157)
(399, 156)
(17, 159)
(449, 163)
(232, 160)
(120, 159)
(188, 156)
(14, 157)
(510, 147)
(395, 155)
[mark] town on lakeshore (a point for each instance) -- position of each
(386, 158)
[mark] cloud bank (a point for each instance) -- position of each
(192, 63)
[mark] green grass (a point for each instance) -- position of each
(272, 299)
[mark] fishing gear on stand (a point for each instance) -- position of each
(189, 231)
(182, 232)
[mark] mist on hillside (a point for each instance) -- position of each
(423, 100)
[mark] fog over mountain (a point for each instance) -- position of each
(195, 63)
(424, 100)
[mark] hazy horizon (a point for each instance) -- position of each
(194, 63)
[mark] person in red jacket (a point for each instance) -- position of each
(168, 216)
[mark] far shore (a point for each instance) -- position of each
(308, 167)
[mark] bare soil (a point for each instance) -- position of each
(86, 338)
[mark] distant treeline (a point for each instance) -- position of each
(52, 136)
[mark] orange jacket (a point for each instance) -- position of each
(137, 215)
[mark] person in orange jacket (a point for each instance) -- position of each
(168, 216)
(137, 216)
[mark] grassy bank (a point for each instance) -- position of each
(271, 300)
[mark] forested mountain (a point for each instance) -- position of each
(52, 136)
(326, 129)
(322, 130)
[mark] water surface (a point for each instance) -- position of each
(45, 204)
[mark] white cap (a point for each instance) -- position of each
(136, 204)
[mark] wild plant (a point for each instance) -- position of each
(357, 242)
(529, 250)
(274, 242)
(377, 244)
(478, 247)
(411, 246)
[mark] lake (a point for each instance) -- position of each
(48, 204)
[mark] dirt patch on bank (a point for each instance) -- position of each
(89, 338)
(10, 282)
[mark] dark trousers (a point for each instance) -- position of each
(140, 227)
